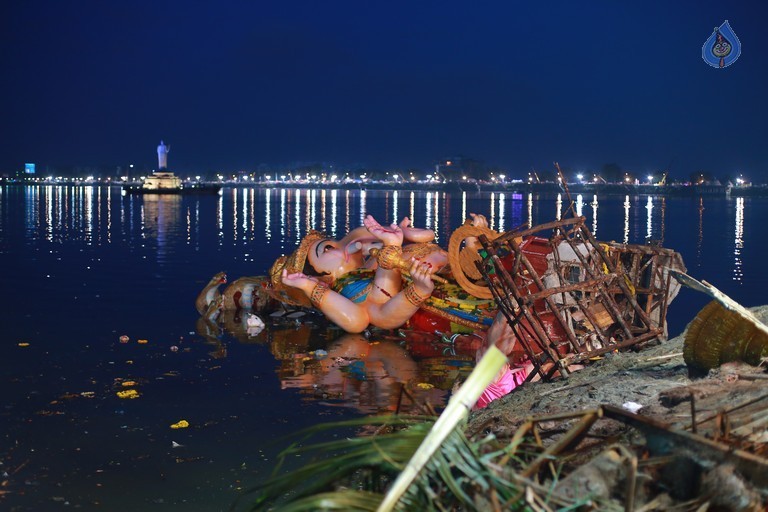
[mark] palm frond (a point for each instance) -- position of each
(451, 473)
(458, 408)
(346, 500)
(375, 460)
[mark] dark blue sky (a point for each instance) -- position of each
(234, 84)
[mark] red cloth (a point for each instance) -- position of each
(509, 380)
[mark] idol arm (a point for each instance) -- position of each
(348, 315)
(415, 235)
(398, 309)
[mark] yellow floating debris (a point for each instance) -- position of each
(425, 385)
(128, 383)
(142, 342)
(23, 344)
(180, 424)
(128, 394)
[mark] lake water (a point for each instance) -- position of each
(86, 265)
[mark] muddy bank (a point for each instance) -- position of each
(729, 406)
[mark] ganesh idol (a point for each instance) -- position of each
(354, 289)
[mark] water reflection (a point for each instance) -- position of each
(372, 377)
(739, 240)
(347, 370)
(283, 216)
(530, 209)
(627, 206)
(502, 211)
(700, 238)
(649, 219)
(97, 215)
(161, 217)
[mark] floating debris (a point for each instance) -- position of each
(23, 344)
(142, 342)
(124, 339)
(129, 394)
(254, 321)
(180, 424)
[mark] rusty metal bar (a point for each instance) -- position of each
(553, 307)
(540, 333)
(611, 268)
(541, 337)
(557, 224)
(574, 435)
(583, 356)
(607, 298)
(753, 467)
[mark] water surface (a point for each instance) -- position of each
(86, 265)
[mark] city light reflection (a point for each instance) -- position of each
(530, 209)
(627, 206)
(502, 212)
(283, 216)
(738, 243)
(649, 217)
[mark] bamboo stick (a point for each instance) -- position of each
(458, 409)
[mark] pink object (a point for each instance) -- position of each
(510, 379)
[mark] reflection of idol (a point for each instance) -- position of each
(368, 376)
(161, 216)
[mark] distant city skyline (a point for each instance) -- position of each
(235, 87)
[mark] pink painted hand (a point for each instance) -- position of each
(391, 235)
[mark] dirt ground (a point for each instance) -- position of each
(657, 380)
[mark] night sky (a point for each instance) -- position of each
(230, 85)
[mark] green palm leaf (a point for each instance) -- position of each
(444, 471)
